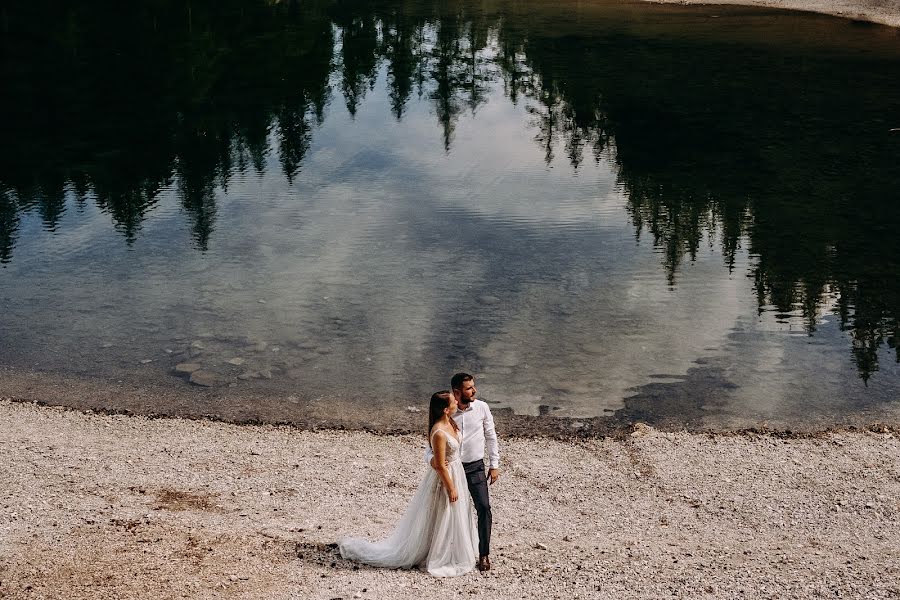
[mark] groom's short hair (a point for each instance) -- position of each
(457, 380)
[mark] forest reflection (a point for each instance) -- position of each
(112, 103)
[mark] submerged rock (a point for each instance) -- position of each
(187, 367)
(202, 378)
(235, 361)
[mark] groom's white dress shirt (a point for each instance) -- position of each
(476, 431)
(476, 428)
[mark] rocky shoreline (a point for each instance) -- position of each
(884, 12)
(115, 506)
(170, 394)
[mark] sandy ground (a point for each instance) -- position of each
(886, 12)
(100, 506)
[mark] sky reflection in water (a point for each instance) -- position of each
(593, 241)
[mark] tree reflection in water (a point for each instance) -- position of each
(766, 148)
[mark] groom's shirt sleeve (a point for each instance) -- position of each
(490, 439)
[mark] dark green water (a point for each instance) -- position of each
(685, 209)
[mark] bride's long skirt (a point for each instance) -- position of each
(433, 531)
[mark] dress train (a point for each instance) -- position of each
(432, 531)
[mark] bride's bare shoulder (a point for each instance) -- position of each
(439, 430)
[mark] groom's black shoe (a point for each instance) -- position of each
(484, 563)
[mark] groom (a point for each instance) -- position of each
(476, 427)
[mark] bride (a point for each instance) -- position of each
(437, 528)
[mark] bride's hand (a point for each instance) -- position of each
(453, 495)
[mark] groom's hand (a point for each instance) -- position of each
(494, 474)
(434, 464)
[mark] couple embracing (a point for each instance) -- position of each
(437, 528)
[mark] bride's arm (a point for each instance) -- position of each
(439, 443)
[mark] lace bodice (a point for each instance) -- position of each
(452, 445)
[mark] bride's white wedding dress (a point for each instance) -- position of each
(433, 531)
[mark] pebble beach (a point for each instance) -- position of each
(114, 506)
(884, 12)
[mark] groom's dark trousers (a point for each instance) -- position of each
(478, 489)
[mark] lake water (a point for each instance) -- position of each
(587, 205)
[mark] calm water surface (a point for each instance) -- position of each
(689, 208)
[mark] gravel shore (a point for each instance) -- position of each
(886, 12)
(112, 506)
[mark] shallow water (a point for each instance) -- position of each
(680, 207)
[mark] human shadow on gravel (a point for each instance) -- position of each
(325, 555)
